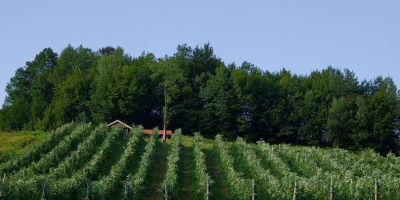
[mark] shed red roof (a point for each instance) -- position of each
(160, 132)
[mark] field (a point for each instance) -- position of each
(14, 143)
(80, 161)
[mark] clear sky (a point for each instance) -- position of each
(301, 36)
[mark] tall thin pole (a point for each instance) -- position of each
(253, 194)
(376, 189)
(87, 192)
(44, 192)
(126, 191)
(208, 190)
(165, 115)
(2, 186)
(166, 191)
(331, 189)
(295, 189)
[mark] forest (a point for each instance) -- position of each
(196, 91)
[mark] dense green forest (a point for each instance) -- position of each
(198, 92)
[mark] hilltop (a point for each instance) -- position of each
(197, 91)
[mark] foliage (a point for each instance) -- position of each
(77, 158)
(13, 144)
(238, 186)
(136, 181)
(63, 187)
(107, 185)
(171, 177)
(274, 168)
(35, 154)
(195, 90)
(201, 175)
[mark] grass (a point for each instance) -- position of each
(116, 155)
(14, 143)
(158, 171)
(185, 168)
(218, 190)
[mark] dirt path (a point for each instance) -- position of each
(218, 189)
(157, 175)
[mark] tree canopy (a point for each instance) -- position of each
(196, 91)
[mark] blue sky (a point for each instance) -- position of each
(301, 36)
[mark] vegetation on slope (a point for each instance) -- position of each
(124, 168)
(196, 91)
(15, 143)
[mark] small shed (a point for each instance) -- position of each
(117, 123)
(147, 132)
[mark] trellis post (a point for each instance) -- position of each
(331, 189)
(253, 194)
(44, 192)
(295, 189)
(166, 191)
(208, 190)
(2, 191)
(2, 186)
(87, 192)
(376, 191)
(126, 191)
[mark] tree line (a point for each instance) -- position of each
(196, 91)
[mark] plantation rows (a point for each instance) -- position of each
(79, 161)
(276, 167)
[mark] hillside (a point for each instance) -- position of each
(195, 90)
(14, 143)
(82, 161)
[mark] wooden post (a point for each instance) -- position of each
(164, 139)
(126, 191)
(295, 189)
(65, 169)
(44, 192)
(2, 186)
(2, 191)
(376, 192)
(331, 189)
(253, 194)
(208, 190)
(166, 191)
(87, 192)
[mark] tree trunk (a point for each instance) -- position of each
(165, 115)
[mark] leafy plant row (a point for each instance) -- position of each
(136, 182)
(111, 185)
(43, 147)
(67, 188)
(84, 152)
(269, 185)
(77, 158)
(171, 177)
(75, 186)
(201, 176)
(351, 183)
(238, 187)
(57, 154)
